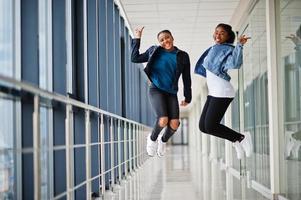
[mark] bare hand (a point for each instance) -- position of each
(183, 103)
(243, 39)
(138, 32)
(295, 39)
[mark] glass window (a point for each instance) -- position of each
(7, 160)
(6, 150)
(289, 42)
(6, 37)
(43, 25)
(44, 119)
(255, 94)
(44, 82)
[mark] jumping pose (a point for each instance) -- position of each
(165, 64)
(214, 64)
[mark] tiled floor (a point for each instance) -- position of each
(167, 178)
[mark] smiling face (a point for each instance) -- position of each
(166, 40)
(220, 35)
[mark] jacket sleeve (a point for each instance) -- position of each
(199, 68)
(234, 59)
(187, 79)
(136, 57)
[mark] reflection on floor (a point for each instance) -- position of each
(167, 178)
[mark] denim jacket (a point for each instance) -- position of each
(183, 65)
(218, 59)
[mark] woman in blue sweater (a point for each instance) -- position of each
(214, 64)
(165, 64)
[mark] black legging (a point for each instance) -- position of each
(164, 105)
(211, 117)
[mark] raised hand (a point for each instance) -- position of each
(243, 39)
(295, 39)
(138, 32)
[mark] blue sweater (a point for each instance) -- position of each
(149, 56)
(164, 70)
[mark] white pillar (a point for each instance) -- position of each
(273, 100)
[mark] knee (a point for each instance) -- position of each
(210, 127)
(162, 121)
(202, 127)
(174, 124)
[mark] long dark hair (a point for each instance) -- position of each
(164, 31)
(228, 29)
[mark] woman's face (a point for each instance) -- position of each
(166, 41)
(220, 35)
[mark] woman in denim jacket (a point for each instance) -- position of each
(165, 64)
(214, 64)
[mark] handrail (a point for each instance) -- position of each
(60, 98)
(133, 138)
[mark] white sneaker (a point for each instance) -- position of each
(151, 146)
(161, 146)
(247, 144)
(238, 149)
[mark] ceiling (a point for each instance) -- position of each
(191, 22)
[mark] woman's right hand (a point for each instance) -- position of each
(138, 32)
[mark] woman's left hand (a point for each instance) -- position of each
(184, 103)
(243, 39)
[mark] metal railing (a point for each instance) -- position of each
(128, 151)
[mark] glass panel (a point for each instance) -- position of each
(69, 69)
(6, 150)
(7, 160)
(255, 94)
(44, 152)
(43, 36)
(6, 37)
(44, 77)
(289, 66)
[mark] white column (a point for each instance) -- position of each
(69, 152)
(88, 154)
(205, 154)
(36, 148)
(273, 97)
(229, 159)
(214, 168)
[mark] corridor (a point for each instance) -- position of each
(75, 109)
(166, 178)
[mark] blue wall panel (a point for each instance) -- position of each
(92, 53)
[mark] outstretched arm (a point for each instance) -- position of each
(234, 60)
(136, 57)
